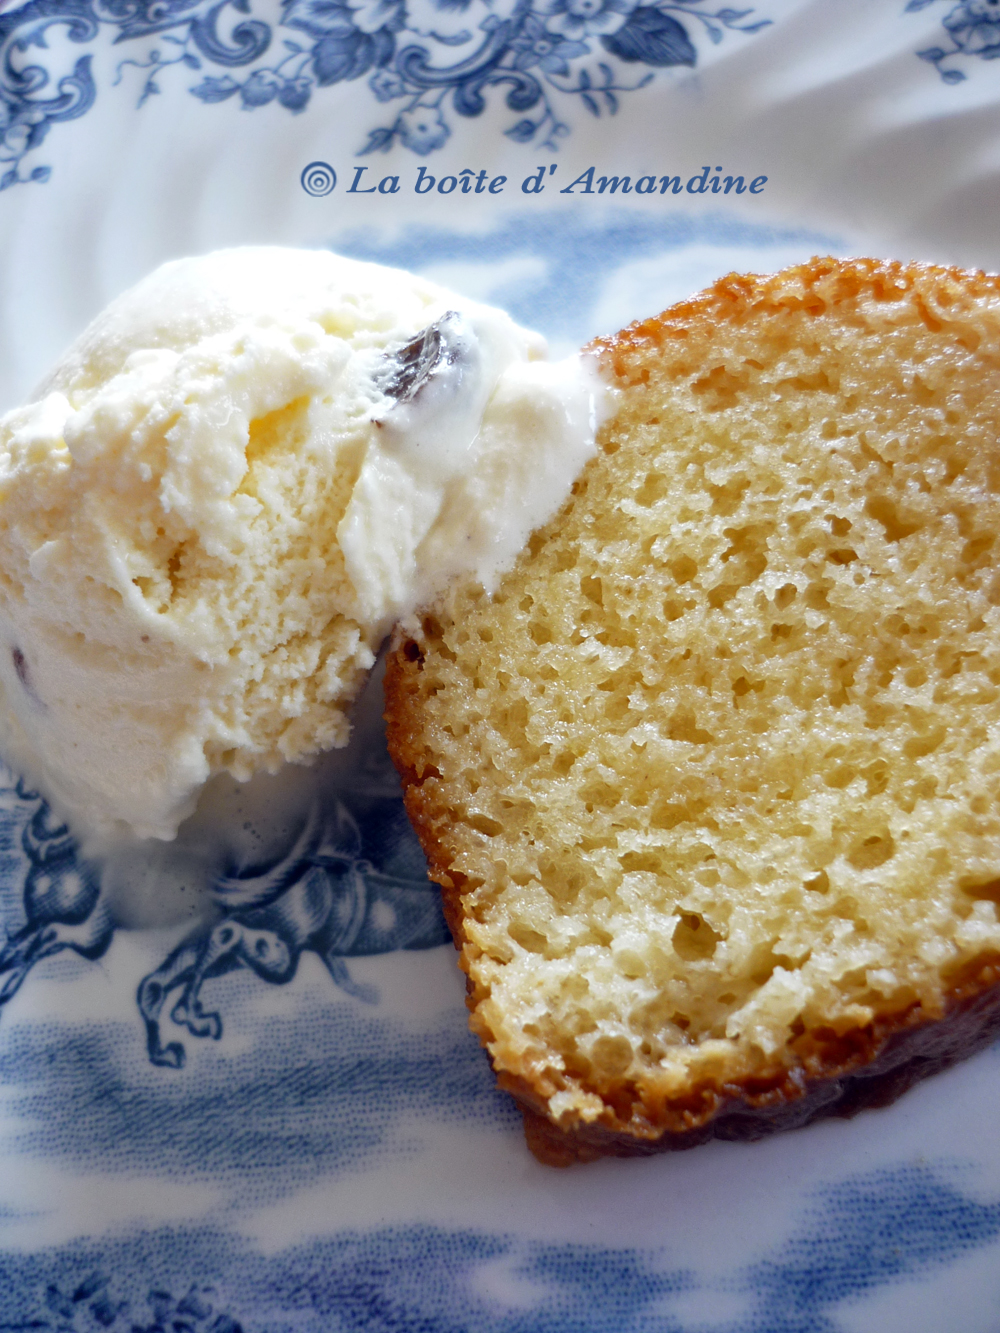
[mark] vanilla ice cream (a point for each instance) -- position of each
(242, 473)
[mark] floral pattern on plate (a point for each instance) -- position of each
(853, 1239)
(972, 28)
(350, 883)
(434, 58)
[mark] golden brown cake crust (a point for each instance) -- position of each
(835, 1074)
(866, 1068)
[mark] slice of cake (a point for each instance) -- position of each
(711, 782)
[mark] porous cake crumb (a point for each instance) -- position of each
(711, 782)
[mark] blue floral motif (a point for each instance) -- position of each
(543, 52)
(436, 57)
(973, 28)
(322, 895)
(72, 1308)
(849, 1246)
(32, 99)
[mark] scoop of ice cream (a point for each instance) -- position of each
(233, 483)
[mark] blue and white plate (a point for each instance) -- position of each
(274, 1118)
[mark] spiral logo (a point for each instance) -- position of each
(318, 179)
